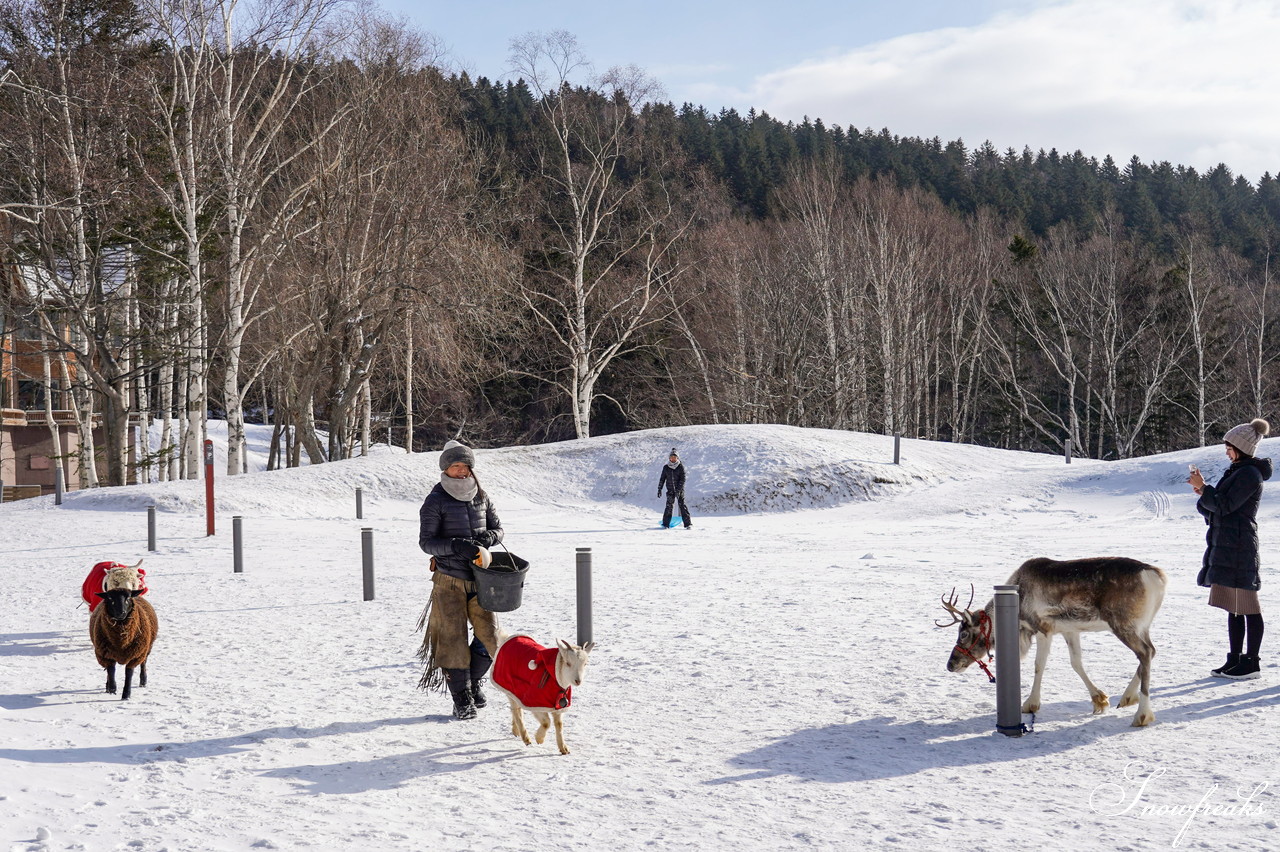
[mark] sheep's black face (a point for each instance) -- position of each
(119, 603)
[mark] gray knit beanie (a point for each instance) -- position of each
(454, 453)
(1246, 436)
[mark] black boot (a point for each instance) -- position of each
(459, 681)
(1246, 669)
(1232, 659)
(480, 662)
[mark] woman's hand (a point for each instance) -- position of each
(1197, 481)
(488, 538)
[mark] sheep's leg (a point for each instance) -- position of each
(128, 683)
(544, 722)
(111, 678)
(142, 674)
(517, 721)
(564, 749)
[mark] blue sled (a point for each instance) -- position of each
(675, 522)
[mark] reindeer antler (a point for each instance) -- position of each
(949, 604)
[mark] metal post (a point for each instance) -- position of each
(584, 595)
(366, 548)
(1068, 450)
(151, 528)
(359, 504)
(57, 482)
(897, 449)
(1008, 663)
(208, 487)
(237, 544)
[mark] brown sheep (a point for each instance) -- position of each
(123, 630)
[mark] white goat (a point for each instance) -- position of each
(540, 680)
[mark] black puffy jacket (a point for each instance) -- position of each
(672, 478)
(1230, 509)
(443, 518)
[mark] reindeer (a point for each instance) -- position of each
(539, 680)
(1071, 597)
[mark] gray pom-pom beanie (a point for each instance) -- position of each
(455, 452)
(1246, 436)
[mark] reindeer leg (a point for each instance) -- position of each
(1100, 700)
(111, 677)
(517, 721)
(564, 749)
(544, 722)
(128, 683)
(1139, 689)
(1032, 704)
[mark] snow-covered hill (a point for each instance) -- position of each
(769, 680)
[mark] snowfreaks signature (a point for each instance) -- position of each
(1135, 794)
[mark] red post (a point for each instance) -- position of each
(208, 486)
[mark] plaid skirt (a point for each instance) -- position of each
(1237, 601)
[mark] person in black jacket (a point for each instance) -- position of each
(1231, 564)
(455, 521)
(672, 479)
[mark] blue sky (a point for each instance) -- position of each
(1196, 82)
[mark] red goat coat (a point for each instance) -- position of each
(528, 671)
(97, 579)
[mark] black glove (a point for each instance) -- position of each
(466, 548)
(488, 538)
(659, 492)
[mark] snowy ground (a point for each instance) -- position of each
(769, 680)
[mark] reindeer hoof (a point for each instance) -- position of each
(564, 749)
(1127, 700)
(1029, 707)
(1141, 719)
(1100, 703)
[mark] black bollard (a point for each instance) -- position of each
(584, 595)
(366, 548)
(237, 544)
(359, 504)
(1008, 663)
(151, 528)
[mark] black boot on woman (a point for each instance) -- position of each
(459, 681)
(1232, 659)
(1246, 669)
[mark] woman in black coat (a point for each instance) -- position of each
(455, 521)
(1231, 564)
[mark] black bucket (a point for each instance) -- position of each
(499, 586)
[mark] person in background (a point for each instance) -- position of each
(672, 479)
(455, 521)
(1231, 564)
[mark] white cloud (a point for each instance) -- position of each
(1195, 82)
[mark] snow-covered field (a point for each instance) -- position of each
(771, 679)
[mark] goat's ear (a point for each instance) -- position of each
(589, 646)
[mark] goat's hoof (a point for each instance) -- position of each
(1100, 703)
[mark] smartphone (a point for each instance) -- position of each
(1193, 468)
